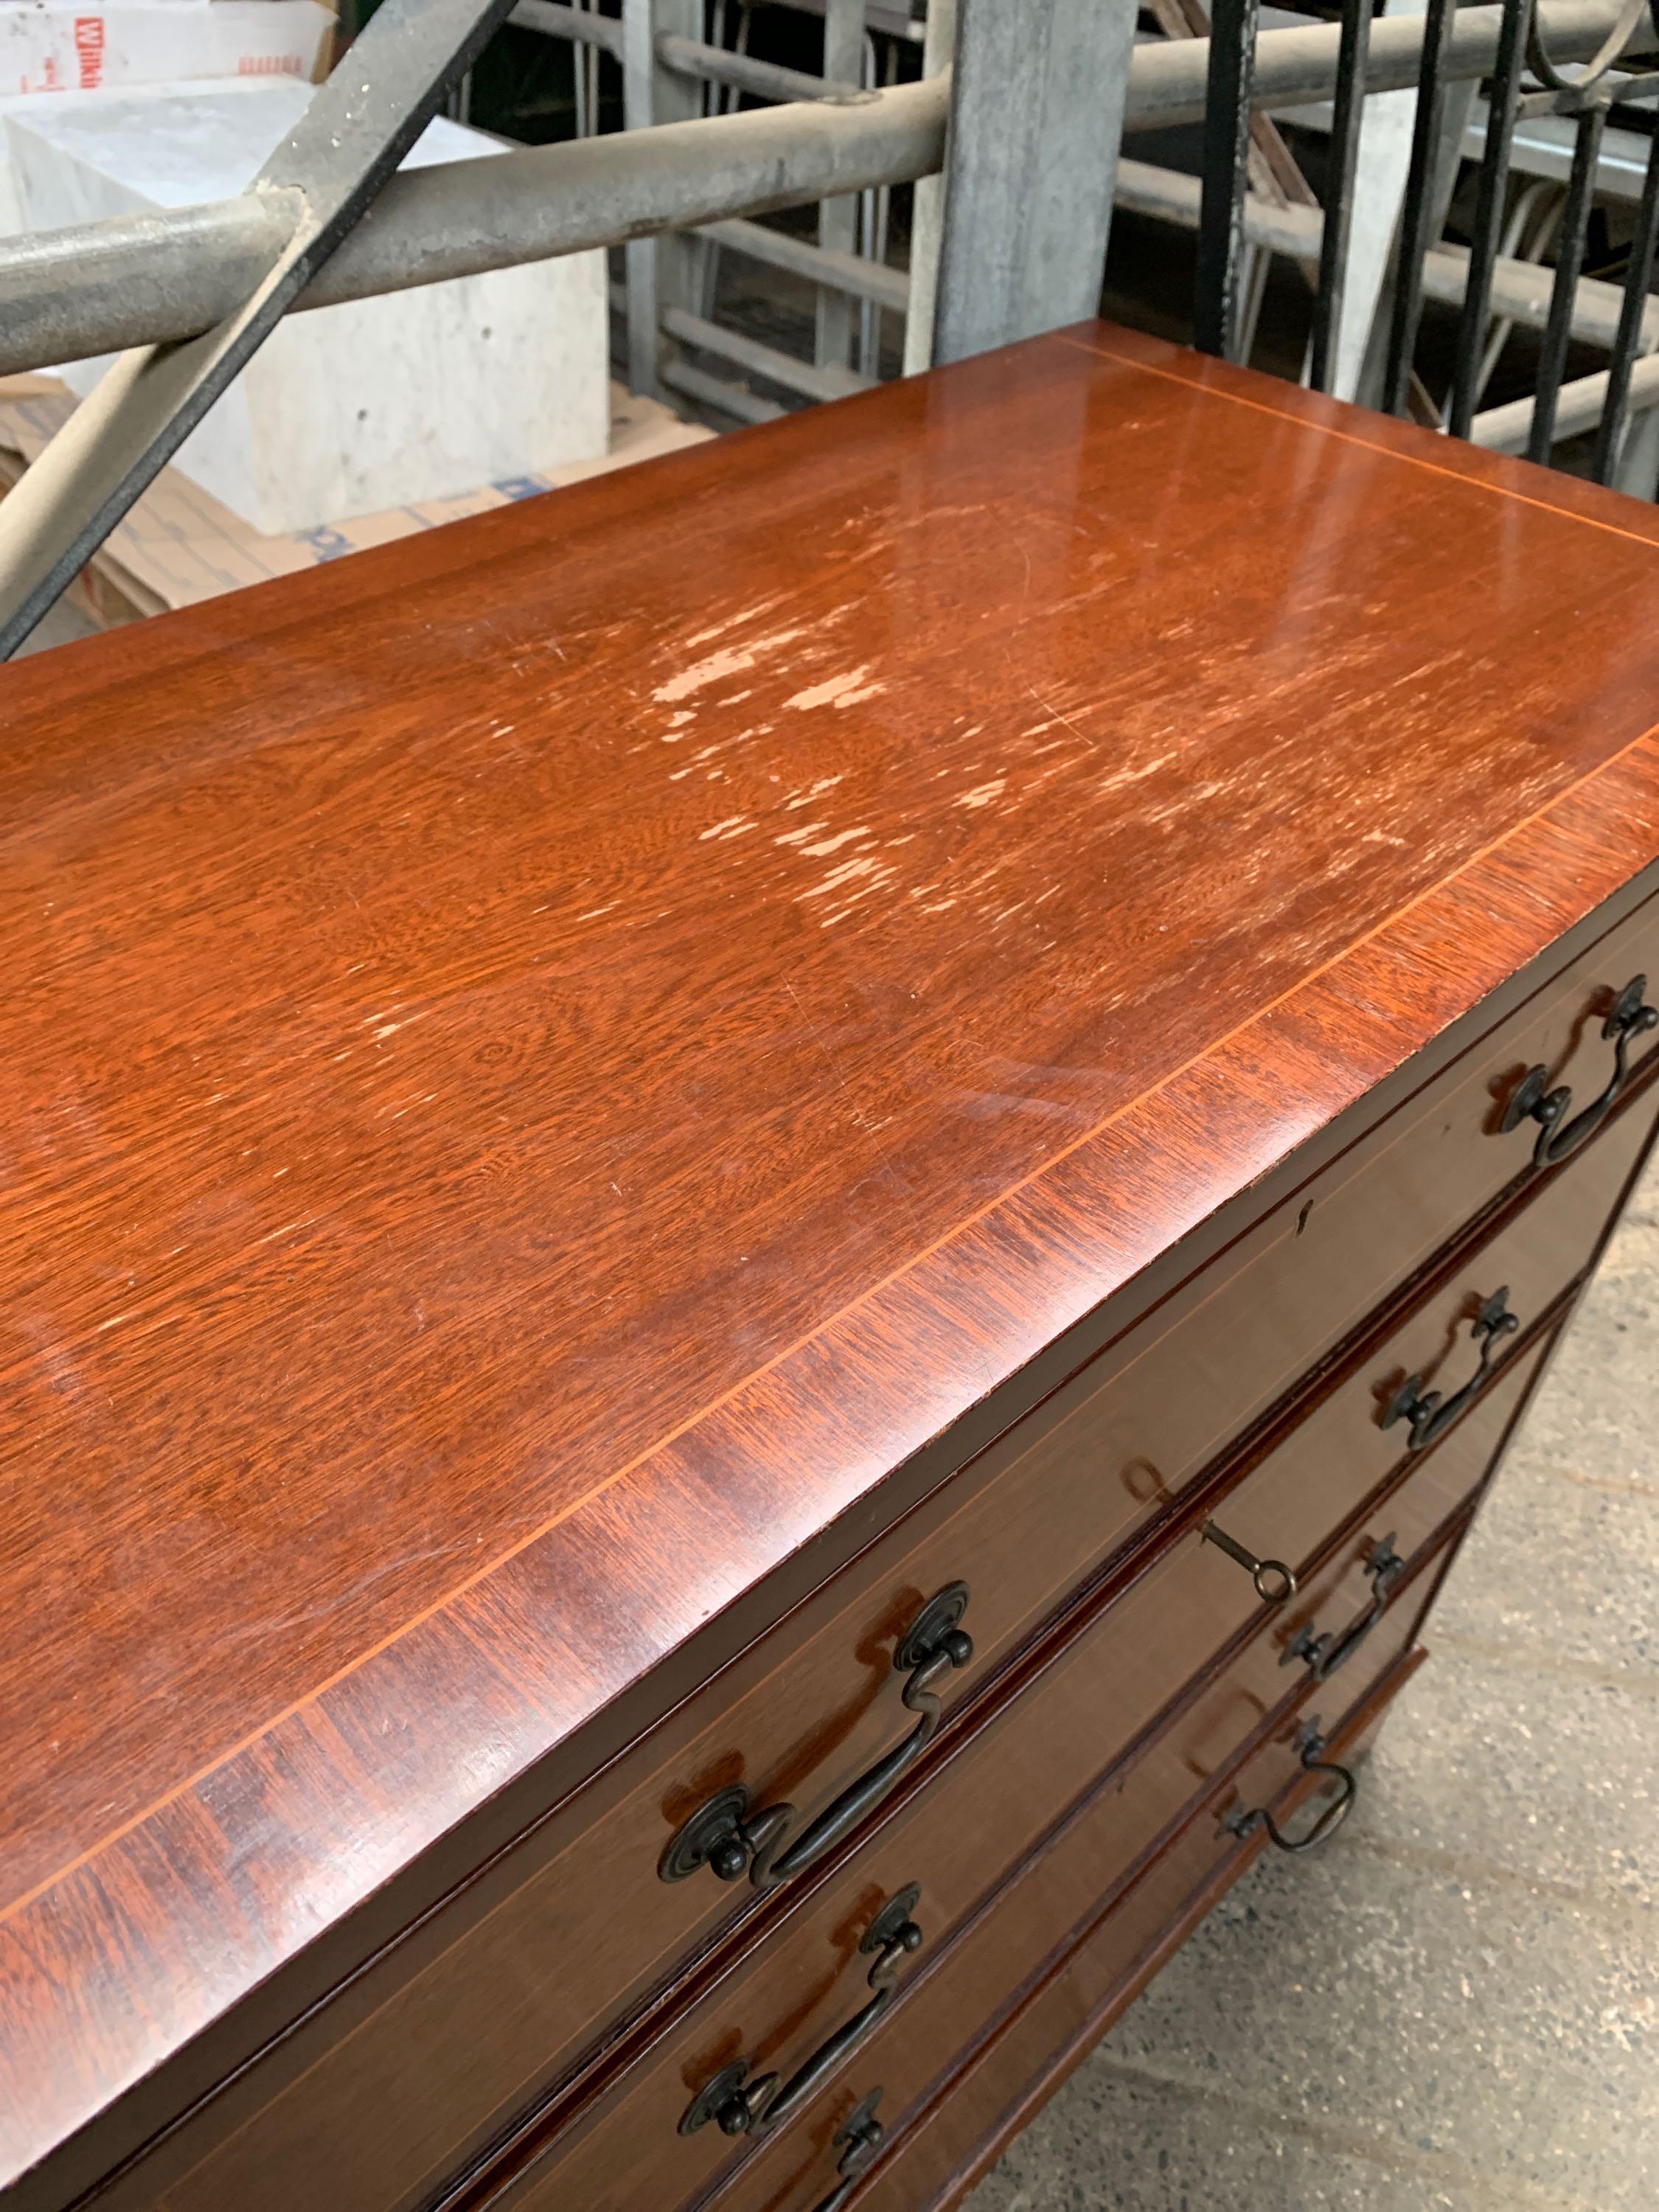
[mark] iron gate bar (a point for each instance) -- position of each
(1226, 174)
(1339, 195)
(1638, 276)
(1569, 266)
(1501, 96)
(1414, 240)
(358, 126)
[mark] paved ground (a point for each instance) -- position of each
(1454, 2008)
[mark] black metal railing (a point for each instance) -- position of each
(1525, 82)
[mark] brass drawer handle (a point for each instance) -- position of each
(1309, 1742)
(1325, 1653)
(725, 1835)
(1558, 1138)
(1429, 1414)
(1274, 1582)
(740, 2106)
(863, 2135)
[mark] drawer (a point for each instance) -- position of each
(964, 1833)
(934, 2154)
(1381, 1402)
(1081, 1876)
(431, 2052)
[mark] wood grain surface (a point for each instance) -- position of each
(541, 1064)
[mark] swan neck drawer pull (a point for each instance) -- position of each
(1274, 1582)
(1309, 1744)
(724, 1834)
(1325, 1653)
(741, 2105)
(1429, 1414)
(1534, 1101)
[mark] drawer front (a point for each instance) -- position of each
(1386, 1400)
(389, 2092)
(935, 2153)
(964, 1834)
(1077, 1879)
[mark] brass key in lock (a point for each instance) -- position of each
(1274, 1582)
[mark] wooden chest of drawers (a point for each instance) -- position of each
(763, 1231)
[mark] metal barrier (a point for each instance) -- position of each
(1015, 225)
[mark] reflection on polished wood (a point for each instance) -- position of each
(561, 1075)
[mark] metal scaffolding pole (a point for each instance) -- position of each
(1521, 291)
(69, 293)
(660, 271)
(198, 289)
(1027, 193)
(356, 130)
(88, 290)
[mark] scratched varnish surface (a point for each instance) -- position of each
(467, 1014)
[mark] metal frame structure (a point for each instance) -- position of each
(1015, 148)
(1526, 45)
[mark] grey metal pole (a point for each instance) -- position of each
(848, 273)
(1521, 290)
(357, 128)
(69, 293)
(96, 287)
(1294, 69)
(1580, 405)
(843, 60)
(927, 209)
(743, 73)
(659, 269)
(1037, 118)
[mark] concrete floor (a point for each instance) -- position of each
(1455, 2006)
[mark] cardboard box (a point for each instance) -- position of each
(54, 48)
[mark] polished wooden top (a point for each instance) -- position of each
(541, 1062)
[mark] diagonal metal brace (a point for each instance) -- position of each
(358, 127)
